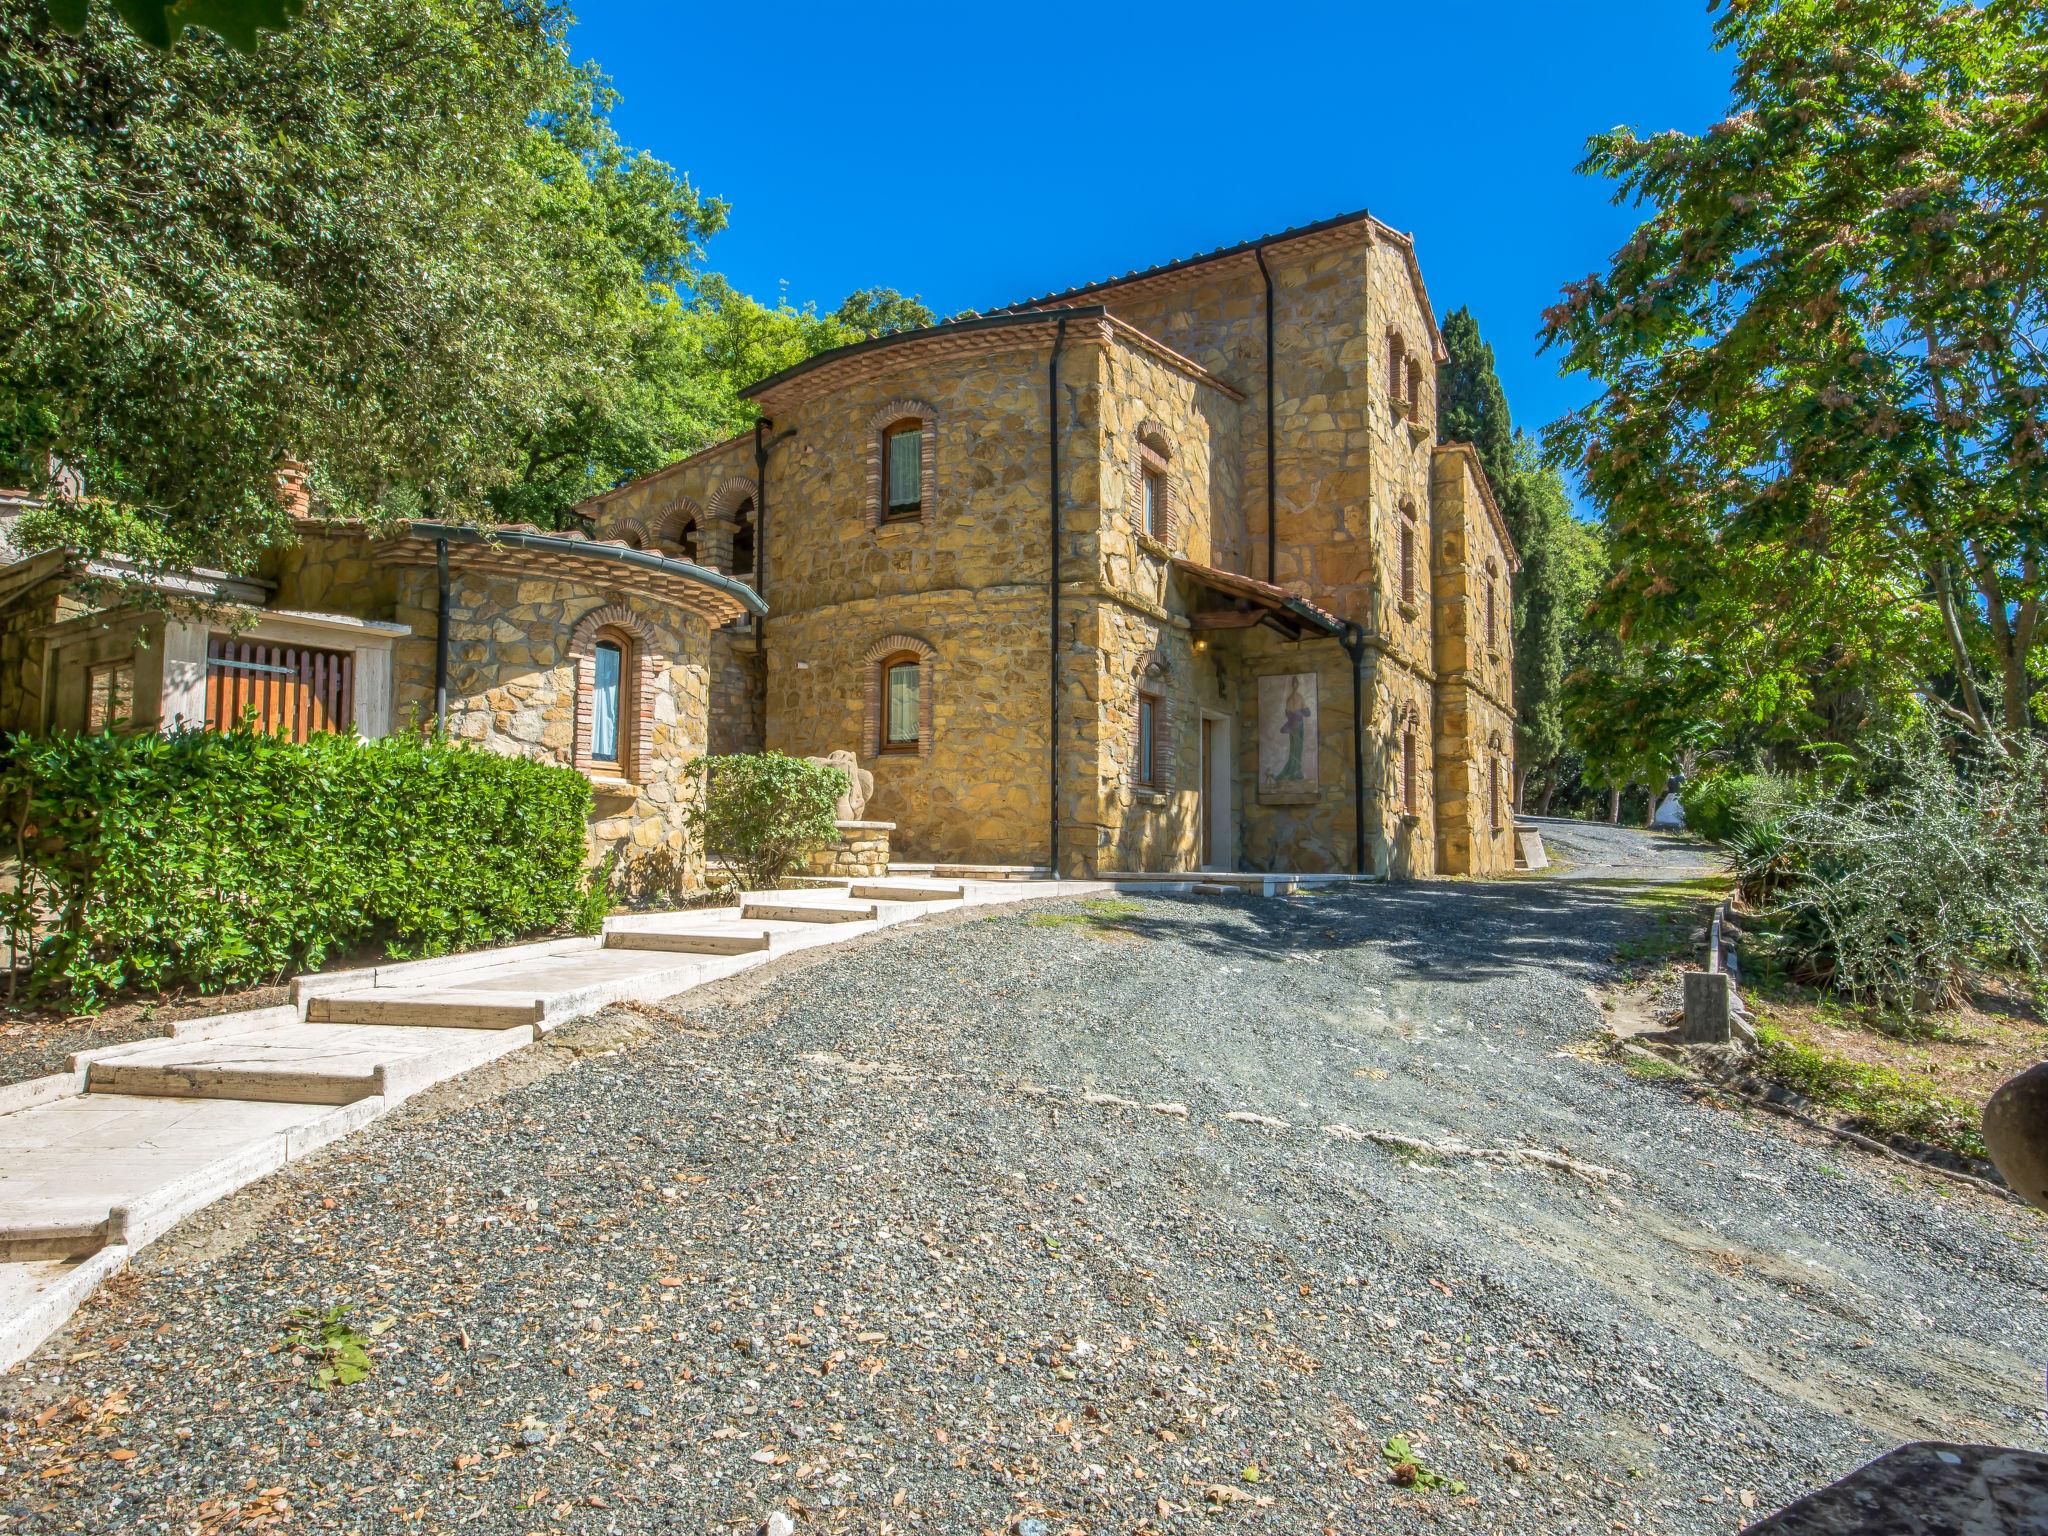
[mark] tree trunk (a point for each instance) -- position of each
(1614, 805)
(1549, 794)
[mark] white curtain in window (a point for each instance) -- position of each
(903, 702)
(604, 705)
(906, 467)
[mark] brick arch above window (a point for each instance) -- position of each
(685, 517)
(876, 660)
(640, 660)
(732, 493)
(896, 413)
(1152, 454)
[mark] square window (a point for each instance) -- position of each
(903, 467)
(110, 695)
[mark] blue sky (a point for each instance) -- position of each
(981, 154)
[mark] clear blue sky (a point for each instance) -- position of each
(982, 154)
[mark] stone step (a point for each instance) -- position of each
(722, 941)
(309, 1063)
(909, 893)
(427, 1010)
(807, 912)
(32, 1242)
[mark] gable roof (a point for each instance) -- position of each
(1322, 233)
(1477, 466)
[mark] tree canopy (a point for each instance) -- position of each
(1820, 442)
(400, 241)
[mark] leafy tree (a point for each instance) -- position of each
(1561, 558)
(883, 312)
(764, 811)
(1821, 445)
(240, 23)
(400, 241)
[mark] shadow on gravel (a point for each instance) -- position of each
(1470, 930)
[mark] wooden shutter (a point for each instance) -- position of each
(295, 689)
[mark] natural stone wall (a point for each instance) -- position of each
(738, 692)
(861, 853)
(512, 688)
(1474, 724)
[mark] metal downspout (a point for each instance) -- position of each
(1052, 436)
(1272, 492)
(441, 637)
(1354, 645)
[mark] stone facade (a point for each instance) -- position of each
(524, 624)
(1379, 547)
(861, 852)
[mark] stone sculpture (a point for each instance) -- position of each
(859, 785)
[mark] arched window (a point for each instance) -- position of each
(902, 703)
(1414, 389)
(902, 463)
(743, 551)
(1492, 611)
(1411, 798)
(1152, 507)
(614, 653)
(686, 537)
(899, 697)
(1494, 775)
(1397, 369)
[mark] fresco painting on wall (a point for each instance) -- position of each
(1288, 736)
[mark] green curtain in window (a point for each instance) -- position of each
(903, 702)
(906, 468)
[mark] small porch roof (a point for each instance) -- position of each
(1233, 601)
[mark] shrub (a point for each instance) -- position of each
(1893, 894)
(764, 812)
(1721, 803)
(223, 859)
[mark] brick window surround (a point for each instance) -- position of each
(736, 497)
(634, 637)
(903, 413)
(1149, 681)
(877, 660)
(1150, 455)
(672, 532)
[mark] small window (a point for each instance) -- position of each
(1410, 801)
(903, 465)
(1397, 368)
(1414, 389)
(1155, 504)
(902, 699)
(1149, 707)
(743, 538)
(110, 695)
(1493, 795)
(605, 695)
(1492, 619)
(1407, 557)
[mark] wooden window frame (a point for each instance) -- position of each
(1411, 802)
(885, 745)
(622, 690)
(112, 671)
(893, 511)
(1152, 465)
(1397, 371)
(638, 646)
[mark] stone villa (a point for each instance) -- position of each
(1165, 573)
(1263, 624)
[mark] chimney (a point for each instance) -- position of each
(292, 492)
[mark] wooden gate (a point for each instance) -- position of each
(291, 688)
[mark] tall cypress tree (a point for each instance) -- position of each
(1561, 557)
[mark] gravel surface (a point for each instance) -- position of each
(1041, 1221)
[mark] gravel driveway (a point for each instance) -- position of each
(892, 1238)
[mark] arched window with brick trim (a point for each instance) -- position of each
(614, 650)
(675, 532)
(898, 702)
(903, 463)
(1153, 503)
(1397, 370)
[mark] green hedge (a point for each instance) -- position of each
(221, 860)
(1722, 803)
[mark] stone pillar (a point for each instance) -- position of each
(862, 852)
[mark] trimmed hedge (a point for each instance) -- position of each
(219, 860)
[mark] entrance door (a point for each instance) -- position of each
(1208, 800)
(1219, 837)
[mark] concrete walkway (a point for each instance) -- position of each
(99, 1162)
